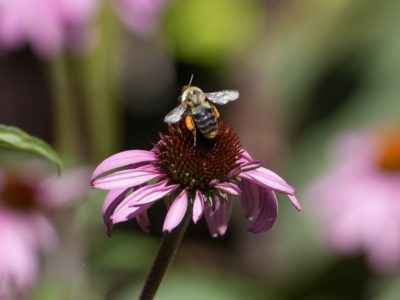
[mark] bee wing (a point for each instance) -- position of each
(176, 114)
(222, 97)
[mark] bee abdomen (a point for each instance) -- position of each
(206, 122)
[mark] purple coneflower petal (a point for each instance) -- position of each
(268, 212)
(198, 206)
(211, 224)
(245, 156)
(276, 177)
(121, 215)
(251, 165)
(268, 179)
(218, 219)
(234, 172)
(176, 212)
(127, 207)
(127, 178)
(143, 222)
(250, 199)
(229, 188)
(113, 199)
(294, 202)
(123, 159)
(151, 193)
(277, 182)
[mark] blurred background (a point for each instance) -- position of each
(306, 70)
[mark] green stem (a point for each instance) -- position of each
(102, 72)
(168, 249)
(68, 88)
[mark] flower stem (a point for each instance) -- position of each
(166, 253)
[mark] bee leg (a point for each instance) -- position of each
(190, 125)
(216, 112)
(195, 136)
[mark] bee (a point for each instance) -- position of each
(198, 109)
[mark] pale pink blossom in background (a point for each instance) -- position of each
(142, 17)
(25, 230)
(47, 26)
(357, 200)
(200, 179)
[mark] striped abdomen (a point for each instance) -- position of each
(205, 121)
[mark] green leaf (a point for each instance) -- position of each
(15, 138)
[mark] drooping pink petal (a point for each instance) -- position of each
(127, 178)
(218, 219)
(268, 179)
(113, 199)
(275, 177)
(143, 221)
(294, 202)
(176, 212)
(229, 188)
(251, 165)
(151, 193)
(250, 199)
(211, 224)
(198, 206)
(123, 159)
(130, 207)
(128, 213)
(234, 172)
(267, 214)
(245, 156)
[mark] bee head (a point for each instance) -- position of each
(191, 94)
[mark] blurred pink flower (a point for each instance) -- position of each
(25, 232)
(358, 198)
(201, 179)
(140, 16)
(47, 26)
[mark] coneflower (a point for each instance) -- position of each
(197, 177)
(27, 198)
(356, 200)
(202, 179)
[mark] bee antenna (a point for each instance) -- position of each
(190, 81)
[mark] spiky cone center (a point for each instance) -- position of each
(194, 164)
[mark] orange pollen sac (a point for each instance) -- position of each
(18, 195)
(389, 154)
(189, 123)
